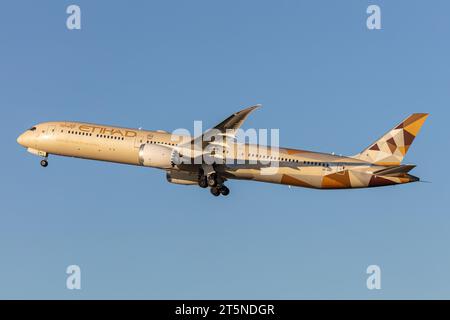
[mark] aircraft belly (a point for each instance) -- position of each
(317, 177)
(308, 177)
(293, 176)
(112, 152)
(356, 178)
(314, 177)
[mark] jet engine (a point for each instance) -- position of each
(182, 177)
(157, 156)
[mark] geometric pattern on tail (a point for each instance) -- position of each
(392, 147)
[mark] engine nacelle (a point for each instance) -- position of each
(182, 177)
(157, 156)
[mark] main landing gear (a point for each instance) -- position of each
(215, 183)
(220, 190)
(44, 163)
(203, 181)
(212, 180)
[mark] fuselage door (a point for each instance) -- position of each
(138, 141)
(338, 168)
(51, 130)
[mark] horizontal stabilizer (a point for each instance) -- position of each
(395, 171)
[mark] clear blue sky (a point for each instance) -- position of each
(326, 81)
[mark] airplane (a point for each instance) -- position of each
(377, 165)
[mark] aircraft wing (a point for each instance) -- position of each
(227, 129)
(235, 121)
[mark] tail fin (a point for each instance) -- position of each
(392, 147)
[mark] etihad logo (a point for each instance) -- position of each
(109, 131)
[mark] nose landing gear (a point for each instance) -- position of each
(44, 163)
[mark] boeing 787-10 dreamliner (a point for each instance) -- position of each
(214, 157)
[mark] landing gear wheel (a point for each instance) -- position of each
(44, 163)
(212, 180)
(215, 191)
(224, 191)
(202, 182)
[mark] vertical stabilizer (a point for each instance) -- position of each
(393, 146)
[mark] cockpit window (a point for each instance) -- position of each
(32, 129)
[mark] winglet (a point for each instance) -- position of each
(236, 120)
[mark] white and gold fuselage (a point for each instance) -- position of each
(135, 147)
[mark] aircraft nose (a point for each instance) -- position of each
(21, 139)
